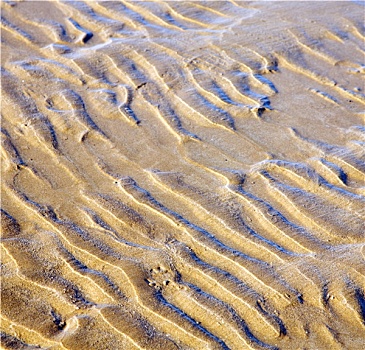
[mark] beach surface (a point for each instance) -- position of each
(182, 175)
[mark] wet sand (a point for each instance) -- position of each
(182, 175)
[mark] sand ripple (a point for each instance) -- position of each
(182, 175)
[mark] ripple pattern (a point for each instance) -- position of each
(182, 175)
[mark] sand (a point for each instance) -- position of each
(182, 175)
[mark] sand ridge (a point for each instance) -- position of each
(182, 175)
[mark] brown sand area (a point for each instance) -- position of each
(182, 175)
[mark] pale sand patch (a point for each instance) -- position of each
(182, 175)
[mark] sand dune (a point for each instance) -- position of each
(182, 175)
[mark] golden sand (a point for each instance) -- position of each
(182, 175)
